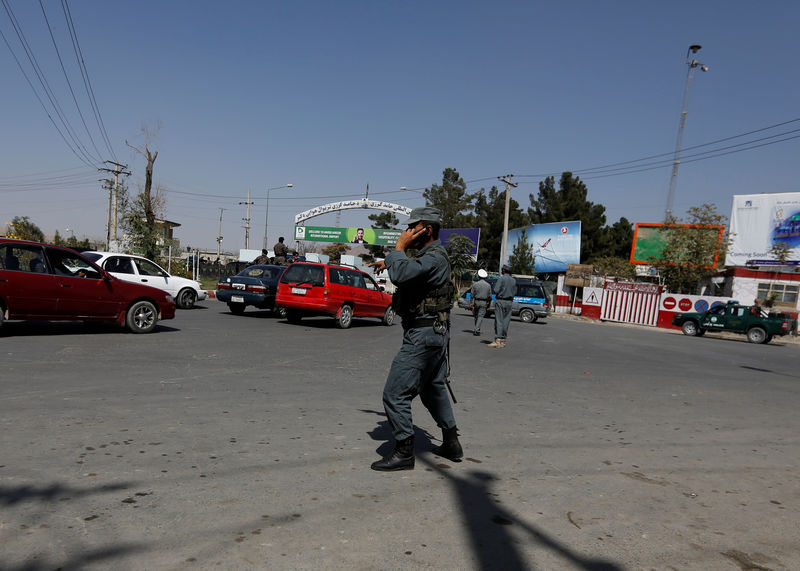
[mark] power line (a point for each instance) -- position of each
(45, 86)
(86, 81)
(66, 77)
(670, 154)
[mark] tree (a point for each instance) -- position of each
(384, 221)
(618, 241)
(23, 229)
(489, 217)
(780, 251)
(142, 236)
(689, 253)
(614, 266)
(335, 251)
(458, 252)
(451, 198)
(567, 203)
(147, 234)
(521, 259)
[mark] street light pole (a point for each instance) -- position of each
(266, 215)
(673, 181)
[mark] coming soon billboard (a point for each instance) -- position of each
(758, 222)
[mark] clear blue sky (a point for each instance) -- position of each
(332, 96)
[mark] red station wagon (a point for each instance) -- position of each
(44, 282)
(342, 292)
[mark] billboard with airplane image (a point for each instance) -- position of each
(554, 245)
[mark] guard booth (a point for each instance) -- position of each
(631, 302)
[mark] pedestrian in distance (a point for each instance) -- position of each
(262, 259)
(423, 300)
(504, 290)
(280, 250)
(480, 294)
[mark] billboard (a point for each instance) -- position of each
(758, 222)
(554, 245)
(375, 236)
(650, 239)
(346, 235)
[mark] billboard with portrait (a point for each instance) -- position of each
(376, 236)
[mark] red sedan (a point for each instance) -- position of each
(44, 282)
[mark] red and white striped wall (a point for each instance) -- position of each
(631, 303)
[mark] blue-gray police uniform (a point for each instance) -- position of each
(504, 290)
(420, 367)
(480, 294)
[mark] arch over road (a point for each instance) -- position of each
(350, 204)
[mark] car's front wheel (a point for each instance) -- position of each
(388, 316)
(690, 328)
(142, 317)
(345, 317)
(757, 335)
(237, 308)
(186, 298)
(527, 316)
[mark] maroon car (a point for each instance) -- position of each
(44, 282)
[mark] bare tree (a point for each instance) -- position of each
(148, 239)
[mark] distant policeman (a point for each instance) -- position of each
(480, 294)
(504, 291)
(423, 300)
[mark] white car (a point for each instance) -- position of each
(142, 271)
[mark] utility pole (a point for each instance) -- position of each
(219, 245)
(117, 170)
(247, 221)
(506, 179)
(108, 225)
(219, 235)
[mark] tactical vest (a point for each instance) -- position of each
(408, 304)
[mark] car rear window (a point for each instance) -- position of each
(530, 290)
(304, 274)
(260, 272)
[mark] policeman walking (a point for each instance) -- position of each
(480, 294)
(423, 300)
(504, 290)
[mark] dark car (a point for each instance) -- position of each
(254, 285)
(338, 291)
(530, 301)
(44, 282)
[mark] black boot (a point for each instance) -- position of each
(401, 459)
(451, 447)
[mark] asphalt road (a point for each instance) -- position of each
(244, 442)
